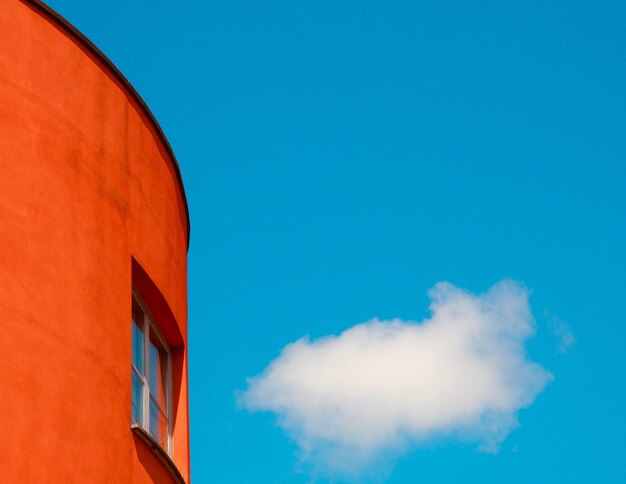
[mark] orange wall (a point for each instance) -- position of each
(86, 184)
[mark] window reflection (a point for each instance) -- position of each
(150, 377)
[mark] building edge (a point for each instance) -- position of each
(65, 25)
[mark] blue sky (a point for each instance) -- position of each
(341, 158)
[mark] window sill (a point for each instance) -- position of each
(159, 452)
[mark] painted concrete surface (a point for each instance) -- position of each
(89, 205)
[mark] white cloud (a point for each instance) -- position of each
(352, 399)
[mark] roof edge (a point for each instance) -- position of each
(91, 47)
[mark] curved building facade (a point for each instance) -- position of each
(94, 231)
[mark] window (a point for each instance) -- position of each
(151, 377)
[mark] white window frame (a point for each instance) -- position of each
(147, 326)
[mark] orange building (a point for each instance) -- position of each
(94, 231)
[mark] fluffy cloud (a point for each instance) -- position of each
(349, 400)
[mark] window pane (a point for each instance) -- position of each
(158, 424)
(158, 370)
(137, 339)
(137, 409)
(150, 380)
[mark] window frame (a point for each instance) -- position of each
(149, 327)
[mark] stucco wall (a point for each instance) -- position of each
(86, 185)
